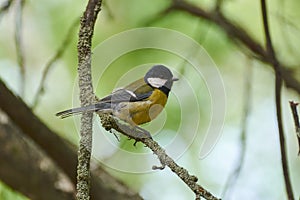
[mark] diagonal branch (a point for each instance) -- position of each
(278, 87)
(141, 135)
(86, 31)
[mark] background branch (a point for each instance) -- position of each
(238, 34)
(59, 150)
(278, 87)
(86, 96)
(37, 177)
(218, 5)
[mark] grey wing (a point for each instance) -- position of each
(123, 95)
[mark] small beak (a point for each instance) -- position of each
(175, 79)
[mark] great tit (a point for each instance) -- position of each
(137, 103)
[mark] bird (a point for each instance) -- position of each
(137, 103)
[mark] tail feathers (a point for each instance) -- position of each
(79, 110)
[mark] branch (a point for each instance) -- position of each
(22, 116)
(24, 167)
(141, 135)
(293, 106)
(59, 150)
(86, 96)
(219, 4)
(237, 34)
(278, 87)
(59, 53)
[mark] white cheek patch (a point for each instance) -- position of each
(156, 82)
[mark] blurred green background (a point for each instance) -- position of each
(45, 25)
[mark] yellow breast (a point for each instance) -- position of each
(141, 112)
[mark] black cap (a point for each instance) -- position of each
(159, 71)
(159, 76)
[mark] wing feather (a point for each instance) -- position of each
(136, 91)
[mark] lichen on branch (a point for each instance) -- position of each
(140, 135)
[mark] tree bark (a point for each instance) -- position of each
(24, 167)
(60, 151)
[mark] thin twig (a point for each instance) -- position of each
(19, 43)
(141, 135)
(230, 183)
(219, 4)
(293, 106)
(278, 87)
(59, 53)
(87, 97)
(237, 34)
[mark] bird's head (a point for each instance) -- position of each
(160, 77)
